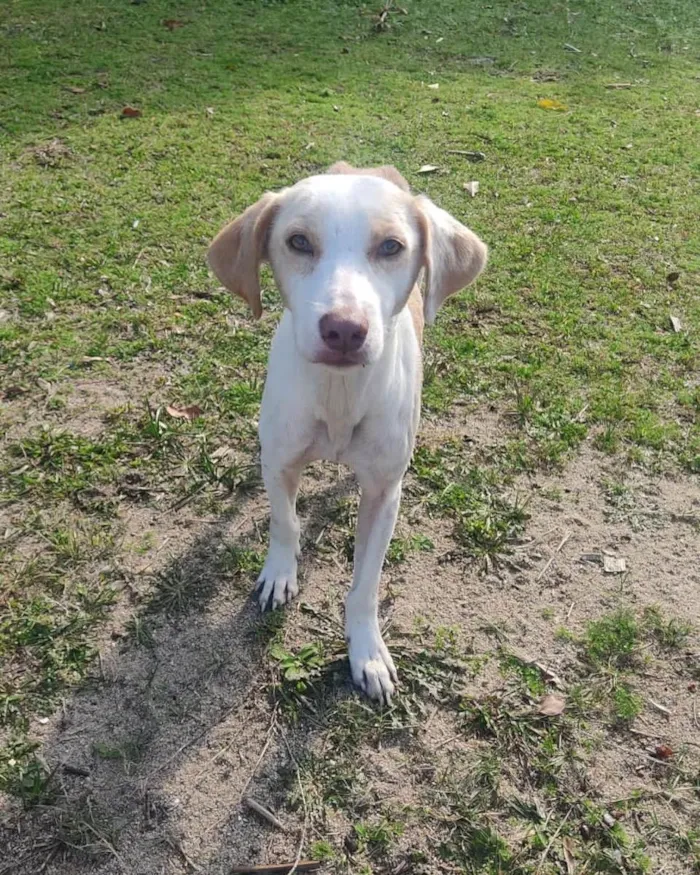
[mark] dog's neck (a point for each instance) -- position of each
(344, 396)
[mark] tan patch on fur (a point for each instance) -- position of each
(453, 256)
(415, 308)
(238, 249)
(386, 171)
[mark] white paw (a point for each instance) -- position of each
(277, 584)
(372, 667)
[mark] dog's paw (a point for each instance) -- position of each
(372, 667)
(277, 584)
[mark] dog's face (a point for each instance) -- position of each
(346, 249)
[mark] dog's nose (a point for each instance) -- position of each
(342, 333)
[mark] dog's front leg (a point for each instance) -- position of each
(277, 583)
(370, 661)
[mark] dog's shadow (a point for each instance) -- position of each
(149, 758)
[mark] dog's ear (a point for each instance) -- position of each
(238, 249)
(453, 256)
(386, 171)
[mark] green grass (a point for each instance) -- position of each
(590, 214)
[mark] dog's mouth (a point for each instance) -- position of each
(340, 360)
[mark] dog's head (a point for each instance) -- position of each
(346, 249)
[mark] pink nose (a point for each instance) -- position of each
(343, 334)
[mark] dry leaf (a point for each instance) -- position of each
(548, 675)
(222, 453)
(663, 752)
(131, 112)
(434, 86)
(75, 89)
(551, 705)
(676, 324)
(614, 564)
(188, 413)
(550, 103)
(428, 168)
(173, 23)
(93, 358)
(568, 848)
(44, 385)
(571, 48)
(472, 187)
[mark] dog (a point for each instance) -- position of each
(346, 248)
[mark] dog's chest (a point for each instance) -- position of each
(338, 417)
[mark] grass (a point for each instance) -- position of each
(589, 212)
(478, 800)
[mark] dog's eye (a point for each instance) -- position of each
(390, 247)
(300, 243)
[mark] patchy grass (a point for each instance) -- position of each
(517, 797)
(108, 316)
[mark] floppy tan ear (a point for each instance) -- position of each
(453, 256)
(386, 171)
(238, 249)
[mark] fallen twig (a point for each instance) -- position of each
(302, 837)
(264, 813)
(272, 868)
(70, 769)
(662, 709)
(176, 846)
(551, 558)
(186, 499)
(472, 156)
(270, 733)
(546, 851)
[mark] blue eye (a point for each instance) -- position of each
(390, 247)
(300, 243)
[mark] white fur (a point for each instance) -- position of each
(365, 416)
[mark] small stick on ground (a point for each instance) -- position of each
(551, 558)
(189, 862)
(546, 851)
(79, 771)
(270, 733)
(264, 813)
(273, 868)
(302, 837)
(662, 709)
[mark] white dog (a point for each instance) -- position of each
(344, 377)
